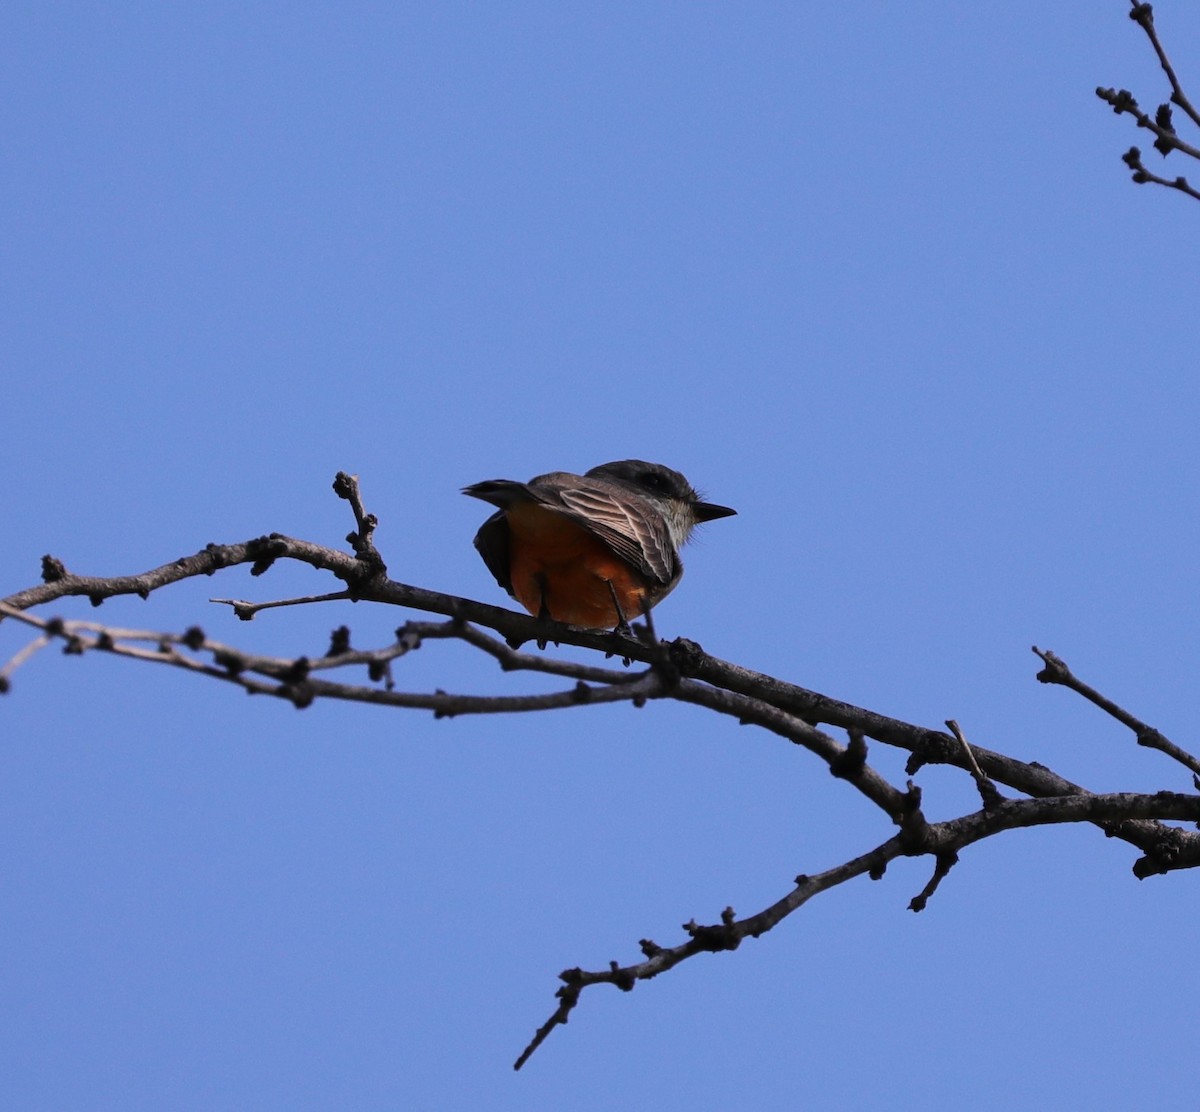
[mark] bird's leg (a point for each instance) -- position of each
(543, 609)
(622, 625)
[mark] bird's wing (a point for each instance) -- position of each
(629, 525)
(491, 542)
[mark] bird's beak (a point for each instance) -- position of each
(708, 511)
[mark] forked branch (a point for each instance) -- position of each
(1162, 124)
(679, 670)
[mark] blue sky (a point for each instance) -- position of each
(872, 273)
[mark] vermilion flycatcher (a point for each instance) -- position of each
(593, 550)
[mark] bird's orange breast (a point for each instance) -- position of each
(560, 566)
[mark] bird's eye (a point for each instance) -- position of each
(653, 480)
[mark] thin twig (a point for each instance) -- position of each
(943, 863)
(1143, 16)
(18, 658)
(709, 939)
(296, 682)
(362, 539)
(1133, 159)
(246, 610)
(1057, 672)
(1165, 138)
(988, 792)
(1161, 124)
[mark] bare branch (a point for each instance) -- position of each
(942, 840)
(361, 540)
(943, 863)
(927, 746)
(19, 658)
(1161, 124)
(679, 670)
(1143, 16)
(988, 792)
(1133, 159)
(1165, 138)
(727, 935)
(245, 611)
(1057, 672)
(845, 762)
(295, 680)
(686, 658)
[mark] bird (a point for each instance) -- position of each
(591, 550)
